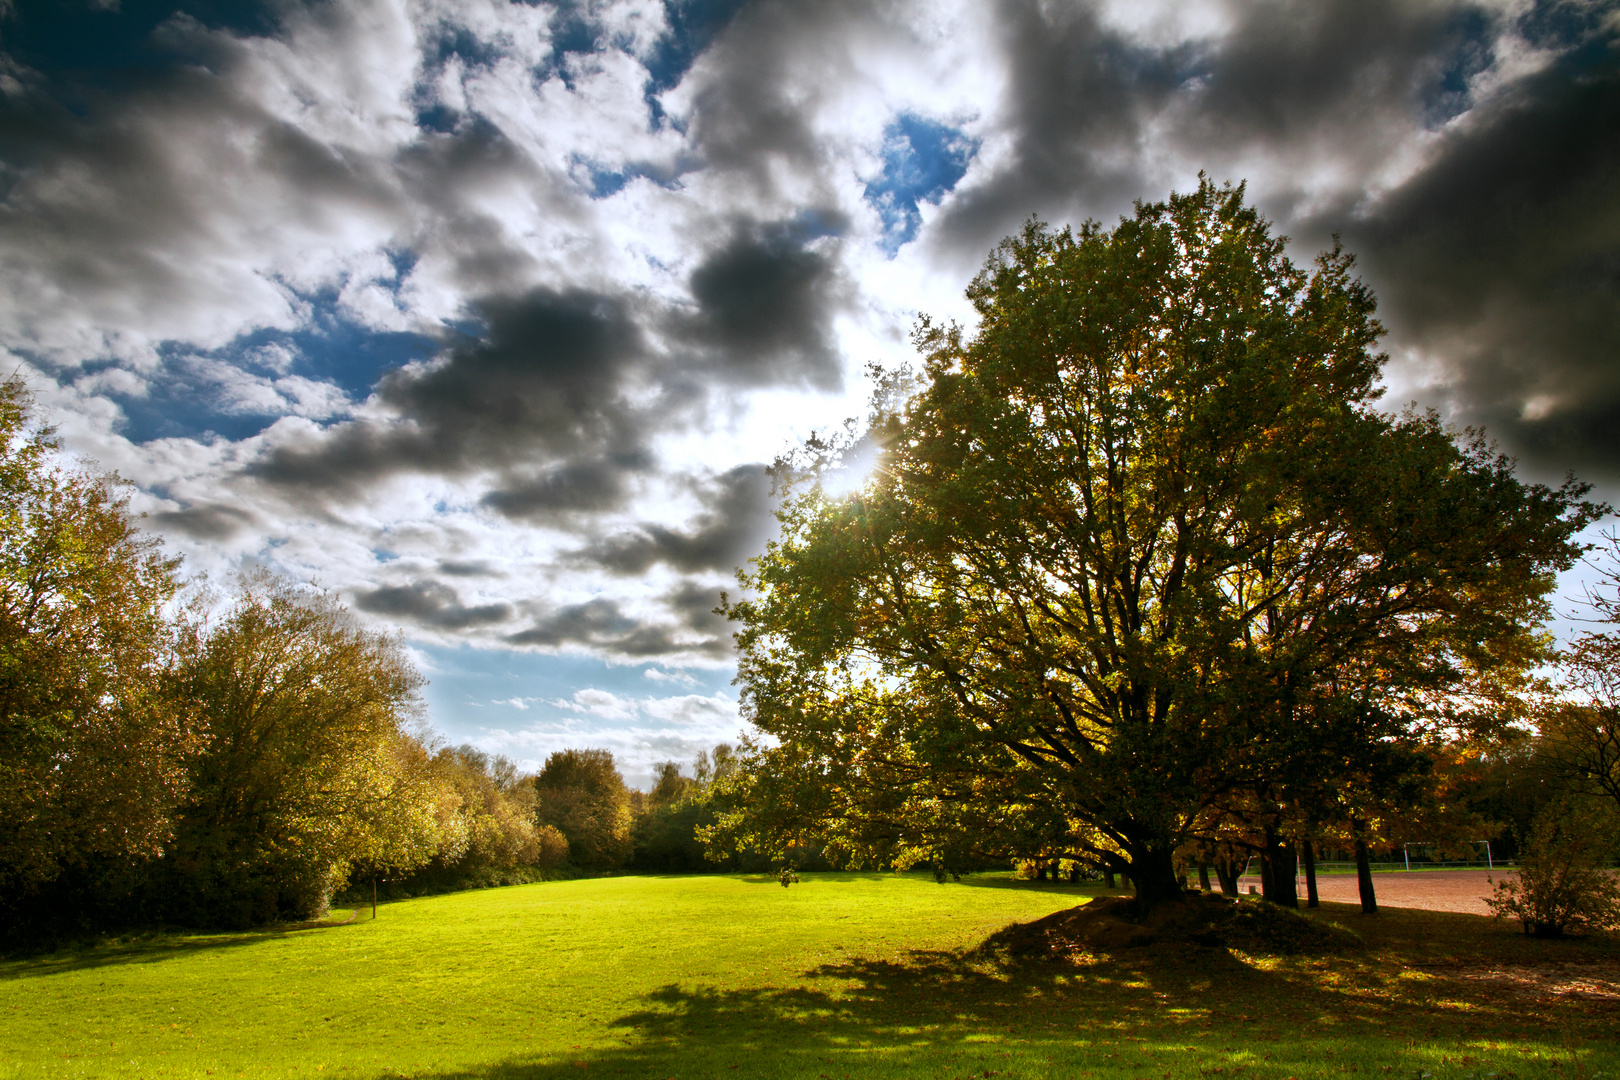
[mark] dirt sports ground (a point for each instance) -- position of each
(1430, 890)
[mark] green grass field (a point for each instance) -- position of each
(843, 975)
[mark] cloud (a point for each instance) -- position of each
(486, 313)
(765, 302)
(602, 625)
(431, 604)
(542, 379)
(1498, 266)
(736, 519)
(205, 522)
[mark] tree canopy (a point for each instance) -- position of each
(90, 753)
(1140, 545)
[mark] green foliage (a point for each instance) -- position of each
(306, 763)
(90, 745)
(208, 769)
(1564, 882)
(1140, 551)
(582, 795)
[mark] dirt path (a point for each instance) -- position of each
(1431, 890)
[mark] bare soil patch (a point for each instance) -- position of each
(1427, 890)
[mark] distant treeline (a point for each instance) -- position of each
(173, 755)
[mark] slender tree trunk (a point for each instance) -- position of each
(1203, 876)
(1369, 901)
(1108, 878)
(1308, 854)
(1226, 874)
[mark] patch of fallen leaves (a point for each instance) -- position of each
(1596, 982)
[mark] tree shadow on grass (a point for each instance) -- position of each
(155, 946)
(1162, 1010)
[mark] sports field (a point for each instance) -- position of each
(1430, 890)
(843, 975)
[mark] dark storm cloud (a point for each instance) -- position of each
(204, 522)
(545, 379)
(1336, 77)
(765, 304)
(1502, 260)
(601, 624)
(1080, 95)
(734, 524)
(695, 603)
(468, 569)
(431, 604)
(587, 486)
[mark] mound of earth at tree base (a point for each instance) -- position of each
(1113, 923)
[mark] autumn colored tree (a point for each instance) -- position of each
(1124, 549)
(91, 749)
(307, 761)
(582, 795)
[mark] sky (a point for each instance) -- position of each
(489, 316)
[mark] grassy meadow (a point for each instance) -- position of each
(843, 975)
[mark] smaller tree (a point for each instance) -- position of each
(1563, 883)
(307, 764)
(582, 795)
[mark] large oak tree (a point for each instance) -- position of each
(1139, 542)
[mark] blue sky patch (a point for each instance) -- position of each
(693, 26)
(1471, 35)
(922, 160)
(188, 399)
(63, 36)
(470, 690)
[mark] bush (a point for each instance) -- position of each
(1563, 884)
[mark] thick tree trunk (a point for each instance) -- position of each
(1203, 876)
(1154, 872)
(1108, 878)
(1308, 854)
(1278, 868)
(1226, 873)
(1369, 902)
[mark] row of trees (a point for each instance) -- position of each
(171, 754)
(1144, 578)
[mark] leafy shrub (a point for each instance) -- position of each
(1562, 885)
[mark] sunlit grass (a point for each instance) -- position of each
(842, 975)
